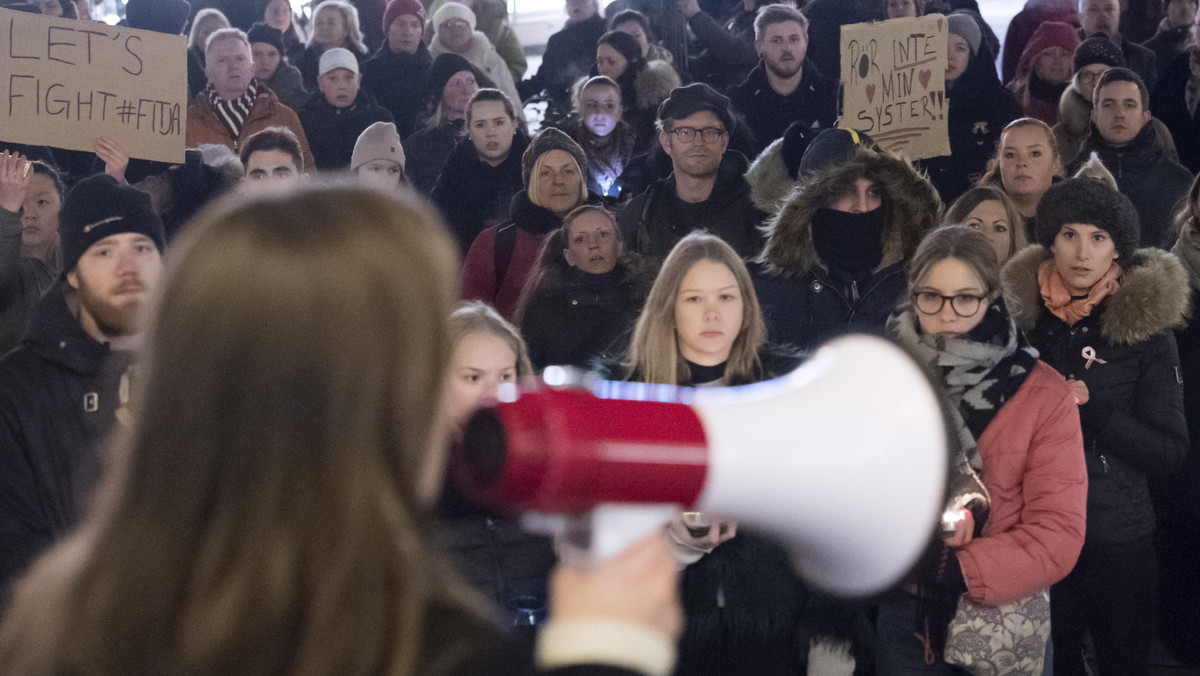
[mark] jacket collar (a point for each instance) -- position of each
(56, 335)
(1153, 296)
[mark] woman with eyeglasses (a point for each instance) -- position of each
(1018, 484)
(1101, 312)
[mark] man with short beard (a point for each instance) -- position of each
(783, 88)
(70, 380)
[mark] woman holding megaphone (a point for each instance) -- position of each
(268, 511)
(1015, 518)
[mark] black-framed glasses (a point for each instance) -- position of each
(688, 134)
(932, 302)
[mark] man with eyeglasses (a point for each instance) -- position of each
(784, 87)
(706, 189)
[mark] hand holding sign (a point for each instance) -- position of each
(15, 176)
(893, 84)
(114, 155)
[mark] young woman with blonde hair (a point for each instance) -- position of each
(989, 210)
(335, 24)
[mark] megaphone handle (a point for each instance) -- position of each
(583, 539)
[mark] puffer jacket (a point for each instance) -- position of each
(1034, 471)
(1147, 174)
(1133, 423)
(802, 302)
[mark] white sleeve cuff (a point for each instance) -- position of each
(604, 642)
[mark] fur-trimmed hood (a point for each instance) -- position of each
(1074, 111)
(1153, 297)
(654, 84)
(769, 180)
(912, 206)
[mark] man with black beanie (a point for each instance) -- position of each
(70, 379)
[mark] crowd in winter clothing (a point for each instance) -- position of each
(1044, 272)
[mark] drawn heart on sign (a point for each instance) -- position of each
(924, 76)
(870, 93)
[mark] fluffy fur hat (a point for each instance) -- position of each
(453, 10)
(1090, 202)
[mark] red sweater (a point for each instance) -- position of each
(1033, 466)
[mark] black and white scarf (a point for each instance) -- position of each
(233, 113)
(980, 371)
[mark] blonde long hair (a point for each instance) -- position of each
(654, 355)
(349, 12)
(265, 513)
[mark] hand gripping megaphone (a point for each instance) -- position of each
(843, 460)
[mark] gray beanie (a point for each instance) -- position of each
(546, 140)
(965, 27)
(379, 141)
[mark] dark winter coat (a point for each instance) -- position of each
(1075, 121)
(825, 21)
(426, 151)
(569, 55)
(768, 114)
(472, 194)
(22, 282)
(729, 54)
(803, 303)
(310, 63)
(572, 317)
(397, 81)
(1168, 103)
(980, 107)
(1147, 175)
(288, 86)
(59, 396)
(528, 227)
(1133, 422)
(1168, 44)
(332, 131)
(655, 220)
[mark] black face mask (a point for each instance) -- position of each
(850, 245)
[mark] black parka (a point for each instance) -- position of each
(332, 132)
(1133, 423)
(397, 81)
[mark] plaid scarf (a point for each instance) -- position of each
(233, 114)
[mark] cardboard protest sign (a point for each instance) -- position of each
(894, 84)
(65, 82)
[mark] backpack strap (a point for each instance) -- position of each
(502, 250)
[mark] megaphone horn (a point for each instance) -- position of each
(843, 460)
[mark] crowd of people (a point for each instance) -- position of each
(232, 391)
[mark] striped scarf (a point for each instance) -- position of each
(234, 113)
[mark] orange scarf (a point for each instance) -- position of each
(1058, 299)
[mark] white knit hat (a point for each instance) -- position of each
(379, 141)
(453, 10)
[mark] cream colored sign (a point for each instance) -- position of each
(63, 83)
(894, 84)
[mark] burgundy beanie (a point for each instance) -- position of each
(398, 8)
(1050, 34)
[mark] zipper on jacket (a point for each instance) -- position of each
(1104, 463)
(854, 292)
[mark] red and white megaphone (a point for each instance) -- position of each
(843, 460)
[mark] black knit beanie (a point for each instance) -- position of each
(1088, 201)
(161, 16)
(100, 206)
(444, 67)
(546, 140)
(261, 32)
(1098, 49)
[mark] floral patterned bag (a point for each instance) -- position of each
(1005, 640)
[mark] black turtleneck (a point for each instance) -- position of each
(703, 375)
